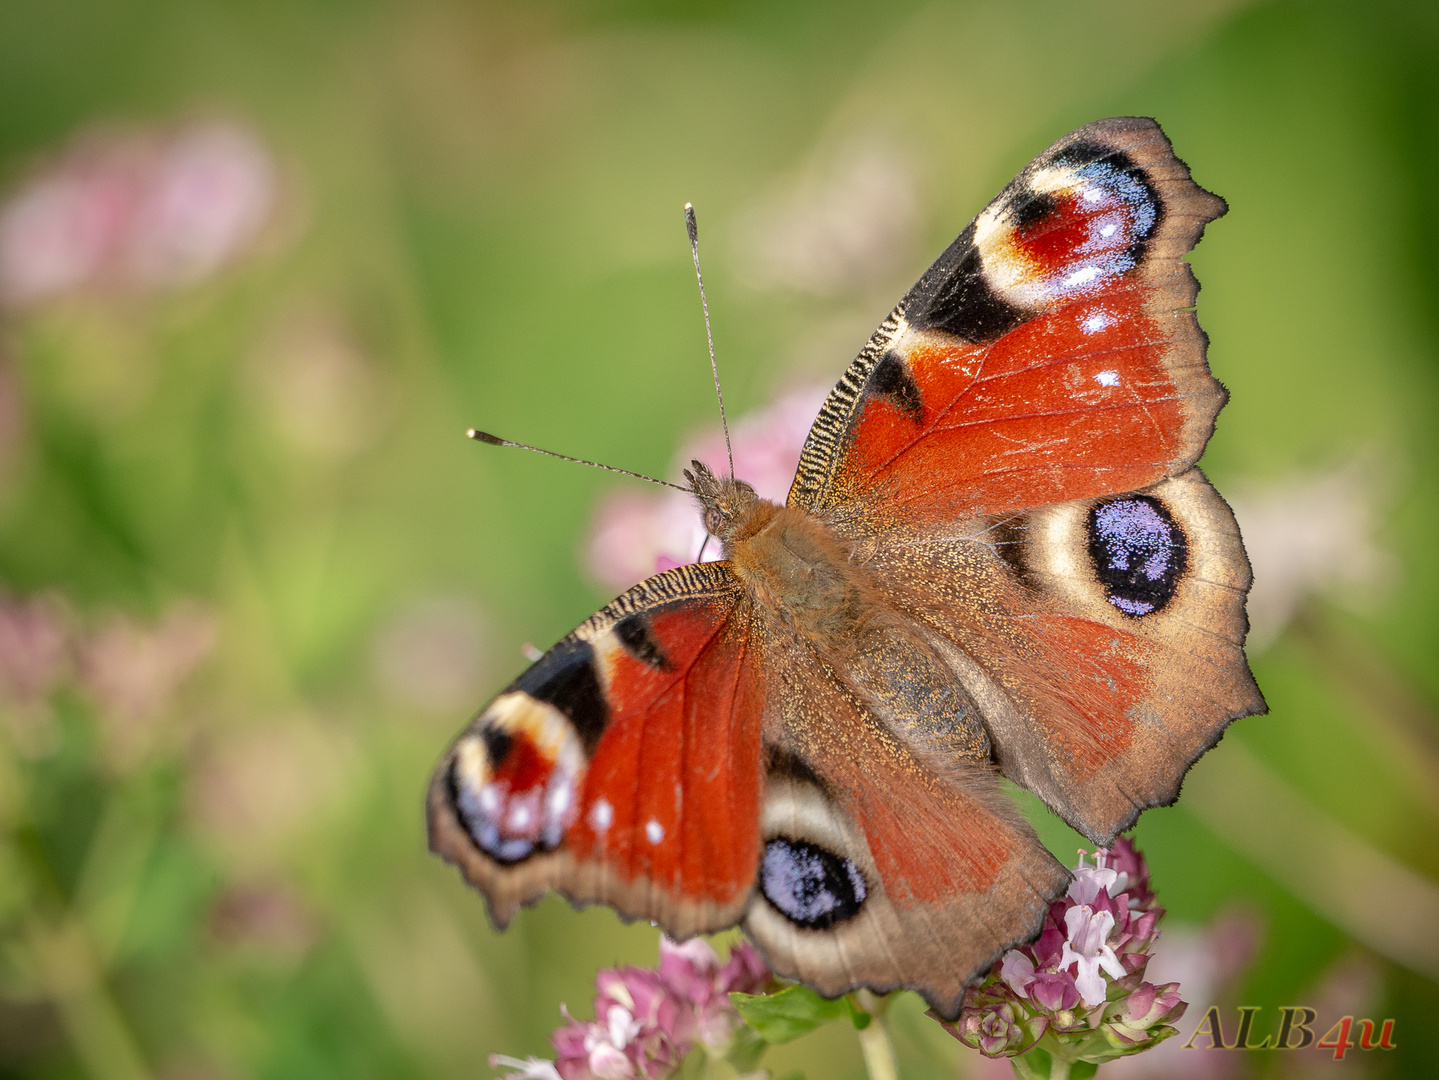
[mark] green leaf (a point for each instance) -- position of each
(788, 1013)
(857, 1016)
(1034, 1065)
(745, 1049)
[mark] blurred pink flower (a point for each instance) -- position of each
(132, 672)
(34, 648)
(1312, 535)
(525, 1068)
(847, 224)
(1207, 962)
(431, 654)
(647, 1020)
(141, 210)
(693, 973)
(255, 787)
(269, 917)
(637, 534)
(323, 393)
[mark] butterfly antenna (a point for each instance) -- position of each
(495, 440)
(693, 229)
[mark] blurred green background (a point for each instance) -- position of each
(254, 578)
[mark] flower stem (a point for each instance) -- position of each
(1040, 1065)
(878, 1051)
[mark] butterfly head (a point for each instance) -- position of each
(732, 509)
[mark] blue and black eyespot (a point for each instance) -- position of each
(482, 824)
(809, 885)
(1139, 553)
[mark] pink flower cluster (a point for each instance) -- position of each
(136, 211)
(647, 1020)
(1079, 987)
(131, 671)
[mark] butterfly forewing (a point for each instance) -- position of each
(1050, 353)
(624, 767)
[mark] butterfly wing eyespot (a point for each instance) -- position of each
(879, 870)
(1083, 219)
(1108, 653)
(1138, 551)
(515, 782)
(809, 885)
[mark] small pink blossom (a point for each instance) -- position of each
(1087, 946)
(997, 1029)
(139, 210)
(1090, 881)
(1146, 1007)
(648, 1019)
(1017, 970)
(1055, 992)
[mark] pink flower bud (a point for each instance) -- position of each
(1145, 1008)
(998, 1029)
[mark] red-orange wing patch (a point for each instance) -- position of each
(1051, 352)
(624, 767)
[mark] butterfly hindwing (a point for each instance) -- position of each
(1106, 653)
(884, 867)
(624, 767)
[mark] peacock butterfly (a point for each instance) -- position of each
(997, 558)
